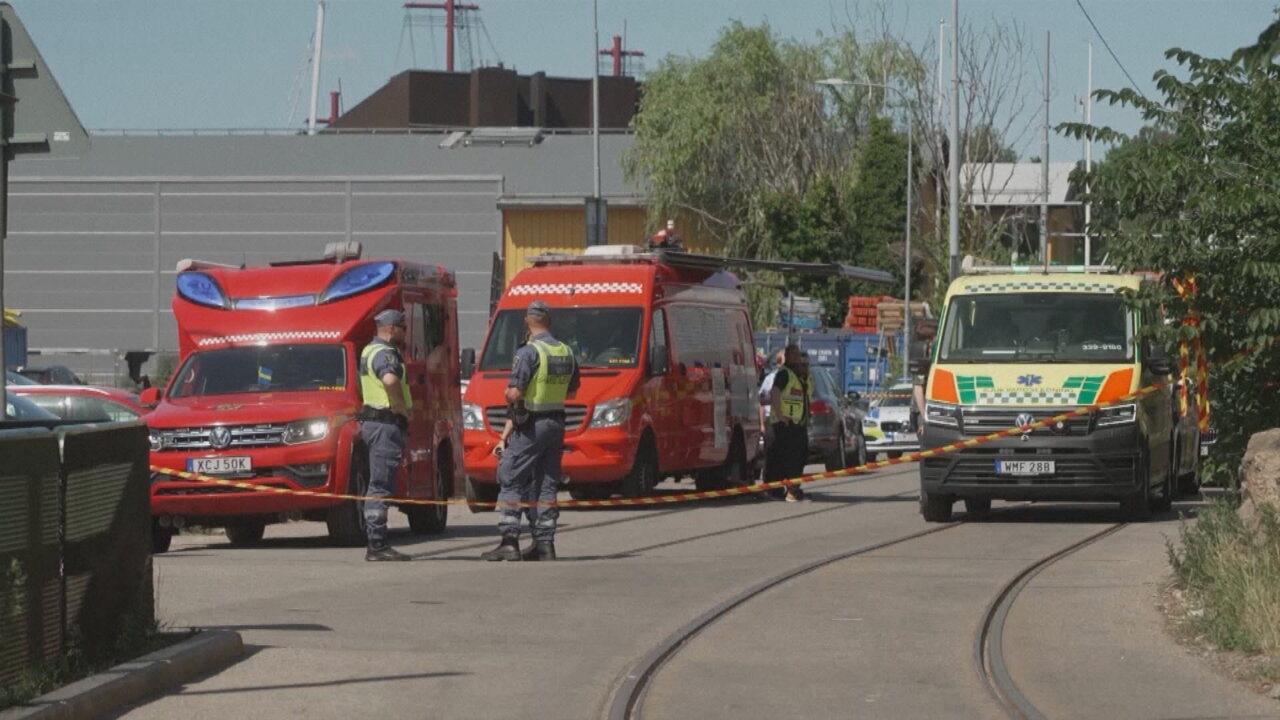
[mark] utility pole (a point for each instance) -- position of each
(953, 240)
(1088, 160)
(596, 212)
(1044, 163)
(906, 317)
(937, 124)
(317, 46)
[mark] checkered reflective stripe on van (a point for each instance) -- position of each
(1095, 287)
(272, 337)
(1026, 397)
(576, 288)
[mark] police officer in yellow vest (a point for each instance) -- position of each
(543, 374)
(789, 413)
(384, 421)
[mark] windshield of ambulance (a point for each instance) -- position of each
(267, 368)
(600, 336)
(1038, 327)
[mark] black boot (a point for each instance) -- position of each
(508, 549)
(545, 550)
(382, 552)
(530, 555)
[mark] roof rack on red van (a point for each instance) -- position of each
(614, 254)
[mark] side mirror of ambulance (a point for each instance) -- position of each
(150, 397)
(919, 362)
(1159, 363)
(468, 362)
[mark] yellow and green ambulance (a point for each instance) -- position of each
(1018, 345)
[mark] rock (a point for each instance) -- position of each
(1275, 692)
(1260, 475)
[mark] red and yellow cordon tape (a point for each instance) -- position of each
(699, 494)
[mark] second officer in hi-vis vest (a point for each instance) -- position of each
(543, 374)
(384, 421)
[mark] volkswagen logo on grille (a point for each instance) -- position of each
(220, 437)
(1023, 420)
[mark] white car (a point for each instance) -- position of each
(887, 426)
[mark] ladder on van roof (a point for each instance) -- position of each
(631, 253)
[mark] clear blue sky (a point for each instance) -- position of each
(243, 63)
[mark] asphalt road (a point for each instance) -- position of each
(888, 633)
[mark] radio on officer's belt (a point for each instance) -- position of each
(517, 412)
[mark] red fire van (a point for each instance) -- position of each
(668, 372)
(268, 386)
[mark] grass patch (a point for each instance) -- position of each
(138, 639)
(1230, 572)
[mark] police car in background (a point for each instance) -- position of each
(887, 426)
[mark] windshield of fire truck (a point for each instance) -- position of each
(1066, 327)
(599, 336)
(265, 368)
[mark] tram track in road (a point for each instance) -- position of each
(693, 505)
(628, 697)
(988, 649)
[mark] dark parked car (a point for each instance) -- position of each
(835, 424)
(20, 408)
(51, 375)
(13, 378)
(84, 403)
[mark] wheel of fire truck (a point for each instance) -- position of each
(433, 519)
(246, 534)
(644, 471)
(480, 497)
(161, 537)
(1137, 507)
(935, 507)
(733, 473)
(346, 521)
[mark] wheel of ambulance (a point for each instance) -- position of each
(246, 534)
(1137, 507)
(837, 458)
(935, 507)
(480, 496)
(433, 519)
(644, 471)
(977, 507)
(161, 537)
(1168, 488)
(346, 520)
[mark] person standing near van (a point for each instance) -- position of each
(789, 416)
(543, 374)
(384, 422)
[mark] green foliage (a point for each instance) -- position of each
(1233, 570)
(879, 200)
(1198, 193)
(815, 227)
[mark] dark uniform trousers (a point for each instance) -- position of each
(529, 472)
(788, 452)
(386, 446)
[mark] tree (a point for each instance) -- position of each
(1198, 194)
(879, 200)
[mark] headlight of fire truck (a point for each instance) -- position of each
(940, 414)
(611, 413)
(157, 440)
(302, 431)
(472, 418)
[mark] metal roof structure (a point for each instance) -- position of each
(1017, 184)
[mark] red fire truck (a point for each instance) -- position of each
(667, 359)
(268, 386)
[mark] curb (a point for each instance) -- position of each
(133, 681)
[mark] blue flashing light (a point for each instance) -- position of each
(201, 288)
(358, 279)
(275, 303)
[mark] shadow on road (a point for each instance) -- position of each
(323, 684)
(299, 627)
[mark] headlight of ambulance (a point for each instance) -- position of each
(611, 413)
(306, 431)
(1117, 415)
(943, 414)
(472, 418)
